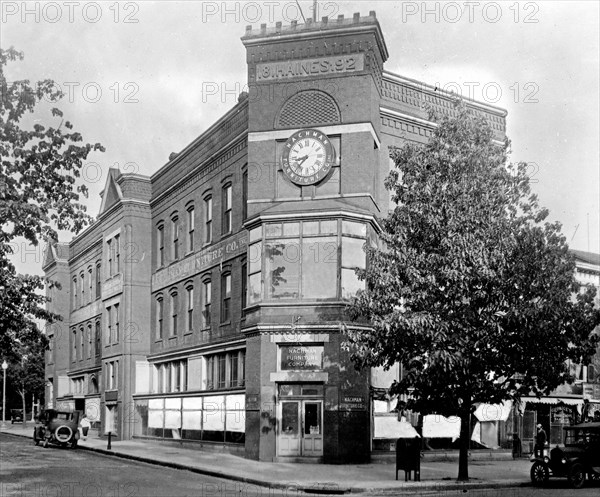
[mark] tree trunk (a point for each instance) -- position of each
(465, 436)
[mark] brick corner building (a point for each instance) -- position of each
(206, 301)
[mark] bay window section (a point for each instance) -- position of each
(308, 260)
(353, 256)
(319, 268)
(282, 269)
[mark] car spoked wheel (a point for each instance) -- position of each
(539, 473)
(577, 476)
(63, 434)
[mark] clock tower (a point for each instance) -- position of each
(315, 186)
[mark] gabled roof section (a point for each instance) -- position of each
(55, 252)
(112, 191)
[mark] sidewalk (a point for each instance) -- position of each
(326, 478)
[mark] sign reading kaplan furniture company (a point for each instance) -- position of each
(301, 357)
(209, 257)
(321, 66)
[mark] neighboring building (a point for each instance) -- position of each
(566, 405)
(205, 302)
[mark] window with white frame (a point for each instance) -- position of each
(190, 308)
(112, 375)
(175, 237)
(226, 203)
(206, 303)
(208, 219)
(171, 376)
(226, 370)
(191, 223)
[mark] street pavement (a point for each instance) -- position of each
(377, 478)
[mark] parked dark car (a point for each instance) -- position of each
(576, 459)
(57, 427)
(16, 416)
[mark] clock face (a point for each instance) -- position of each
(307, 157)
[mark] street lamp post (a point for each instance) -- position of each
(4, 368)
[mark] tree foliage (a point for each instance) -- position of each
(472, 291)
(39, 194)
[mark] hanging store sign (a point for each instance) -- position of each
(301, 357)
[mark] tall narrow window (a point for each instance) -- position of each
(98, 338)
(89, 341)
(161, 245)
(108, 325)
(117, 248)
(245, 194)
(74, 347)
(206, 300)
(226, 205)
(159, 318)
(82, 283)
(116, 331)
(226, 298)
(109, 251)
(98, 281)
(90, 284)
(222, 368)
(174, 314)
(81, 353)
(74, 292)
(208, 220)
(191, 224)
(190, 308)
(244, 285)
(175, 231)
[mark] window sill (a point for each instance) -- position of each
(226, 323)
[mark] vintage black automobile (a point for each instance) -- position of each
(16, 416)
(57, 427)
(576, 459)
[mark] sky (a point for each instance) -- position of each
(146, 78)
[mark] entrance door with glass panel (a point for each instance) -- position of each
(300, 428)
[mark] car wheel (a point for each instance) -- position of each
(36, 441)
(577, 476)
(594, 476)
(539, 473)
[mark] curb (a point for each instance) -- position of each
(315, 489)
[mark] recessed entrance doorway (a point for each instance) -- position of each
(300, 421)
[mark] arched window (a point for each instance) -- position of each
(174, 313)
(226, 297)
(206, 301)
(159, 317)
(190, 308)
(226, 201)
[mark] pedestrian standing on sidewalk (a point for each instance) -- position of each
(84, 424)
(540, 441)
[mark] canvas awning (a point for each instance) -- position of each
(570, 401)
(436, 426)
(493, 412)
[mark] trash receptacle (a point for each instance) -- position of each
(408, 457)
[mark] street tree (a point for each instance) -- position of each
(26, 372)
(40, 191)
(470, 289)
